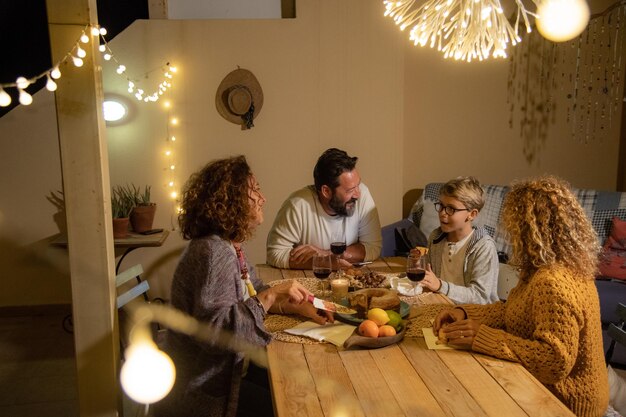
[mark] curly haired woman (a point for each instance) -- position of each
(551, 320)
(222, 206)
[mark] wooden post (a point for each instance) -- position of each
(85, 168)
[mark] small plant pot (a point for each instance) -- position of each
(142, 217)
(120, 228)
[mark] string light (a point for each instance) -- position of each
(460, 29)
(76, 55)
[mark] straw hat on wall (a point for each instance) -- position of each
(239, 98)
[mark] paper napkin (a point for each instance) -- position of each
(405, 287)
(431, 339)
(335, 333)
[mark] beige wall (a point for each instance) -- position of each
(337, 75)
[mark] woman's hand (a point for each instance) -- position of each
(309, 311)
(461, 332)
(447, 317)
(291, 291)
(430, 281)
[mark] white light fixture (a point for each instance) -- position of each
(148, 373)
(114, 111)
(478, 29)
(562, 20)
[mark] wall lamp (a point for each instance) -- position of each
(117, 109)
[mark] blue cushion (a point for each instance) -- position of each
(611, 293)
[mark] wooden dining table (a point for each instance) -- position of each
(403, 379)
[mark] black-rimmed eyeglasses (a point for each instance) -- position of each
(449, 210)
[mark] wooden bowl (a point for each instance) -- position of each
(373, 342)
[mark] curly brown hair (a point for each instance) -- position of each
(215, 200)
(547, 226)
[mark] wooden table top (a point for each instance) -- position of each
(404, 379)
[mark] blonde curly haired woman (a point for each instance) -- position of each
(551, 320)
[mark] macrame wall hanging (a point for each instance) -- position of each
(584, 78)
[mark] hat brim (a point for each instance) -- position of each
(238, 77)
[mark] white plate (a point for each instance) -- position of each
(405, 287)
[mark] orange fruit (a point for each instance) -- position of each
(386, 330)
(368, 328)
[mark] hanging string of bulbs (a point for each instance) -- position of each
(76, 55)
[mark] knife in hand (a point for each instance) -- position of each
(329, 306)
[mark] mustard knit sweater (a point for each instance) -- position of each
(551, 325)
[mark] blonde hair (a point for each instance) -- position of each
(465, 189)
(547, 226)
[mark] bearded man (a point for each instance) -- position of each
(337, 204)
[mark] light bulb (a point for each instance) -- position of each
(172, 167)
(80, 52)
(5, 98)
(84, 38)
(174, 194)
(173, 69)
(25, 98)
(107, 57)
(77, 61)
(171, 183)
(22, 82)
(103, 31)
(148, 374)
(121, 69)
(173, 138)
(168, 153)
(55, 73)
(562, 20)
(174, 121)
(167, 104)
(95, 31)
(50, 84)
(102, 48)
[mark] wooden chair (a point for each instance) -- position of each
(617, 332)
(141, 288)
(130, 286)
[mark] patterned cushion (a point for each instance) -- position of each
(600, 206)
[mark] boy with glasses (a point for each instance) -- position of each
(462, 259)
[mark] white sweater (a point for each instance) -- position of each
(302, 220)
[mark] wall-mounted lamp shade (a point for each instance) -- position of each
(562, 20)
(148, 374)
(114, 111)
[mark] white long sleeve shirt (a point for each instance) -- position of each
(302, 220)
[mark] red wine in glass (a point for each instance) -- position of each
(416, 275)
(338, 247)
(321, 273)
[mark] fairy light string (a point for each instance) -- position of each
(94, 33)
(76, 56)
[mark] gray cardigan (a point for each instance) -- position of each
(480, 268)
(207, 285)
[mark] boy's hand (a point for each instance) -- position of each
(430, 281)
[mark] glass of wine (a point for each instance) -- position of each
(322, 266)
(415, 269)
(338, 246)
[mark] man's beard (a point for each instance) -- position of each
(342, 208)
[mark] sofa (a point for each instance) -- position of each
(600, 206)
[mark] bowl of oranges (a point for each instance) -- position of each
(381, 328)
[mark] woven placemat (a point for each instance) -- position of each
(420, 316)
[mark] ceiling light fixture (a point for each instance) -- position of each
(476, 29)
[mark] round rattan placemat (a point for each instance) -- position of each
(421, 316)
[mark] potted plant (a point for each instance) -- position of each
(121, 206)
(142, 214)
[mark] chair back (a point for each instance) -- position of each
(131, 292)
